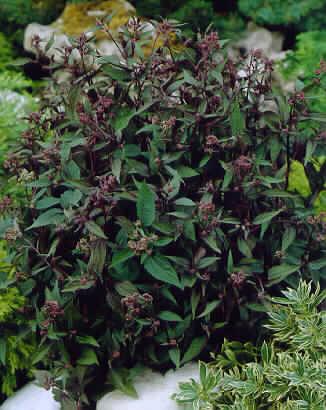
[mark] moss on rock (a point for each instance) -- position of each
(78, 18)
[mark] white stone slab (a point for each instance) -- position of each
(31, 397)
(154, 391)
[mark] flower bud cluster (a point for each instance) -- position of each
(136, 304)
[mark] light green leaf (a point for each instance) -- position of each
(88, 358)
(126, 288)
(185, 202)
(186, 172)
(175, 356)
(237, 120)
(3, 351)
(146, 205)
(121, 381)
(298, 180)
(266, 217)
(87, 340)
(95, 229)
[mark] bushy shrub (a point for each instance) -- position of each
(230, 16)
(303, 62)
(159, 205)
(15, 103)
(16, 14)
(284, 13)
(15, 349)
(6, 52)
(288, 374)
(310, 50)
(195, 14)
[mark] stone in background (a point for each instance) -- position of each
(154, 391)
(77, 19)
(31, 397)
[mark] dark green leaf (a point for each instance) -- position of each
(161, 269)
(209, 308)
(278, 273)
(121, 256)
(196, 346)
(170, 316)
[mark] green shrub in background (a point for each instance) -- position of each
(15, 103)
(301, 15)
(309, 51)
(16, 14)
(303, 63)
(197, 15)
(288, 374)
(305, 15)
(160, 208)
(6, 52)
(15, 347)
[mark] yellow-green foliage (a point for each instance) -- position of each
(6, 51)
(10, 300)
(18, 358)
(298, 181)
(78, 18)
(4, 266)
(320, 202)
(15, 351)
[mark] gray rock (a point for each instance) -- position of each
(271, 43)
(45, 33)
(154, 391)
(31, 397)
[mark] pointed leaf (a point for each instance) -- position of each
(161, 269)
(146, 205)
(197, 345)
